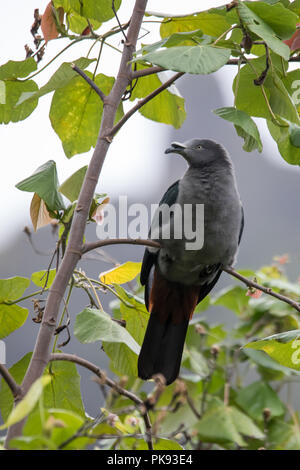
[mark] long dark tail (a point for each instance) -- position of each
(171, 305)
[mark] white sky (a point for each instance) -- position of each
(30, 143)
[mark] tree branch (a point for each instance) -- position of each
(40, 355)
(266, 290)
(118, 241)
(89, 81)
(14, 387)
(144, 72)
(141, 103)
(110, 383)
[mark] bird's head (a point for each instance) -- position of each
(199, 152)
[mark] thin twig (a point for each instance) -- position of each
(266, 290)
(147, 71)
(89, 81)
(118, 241)
(14, 387)
(112, 384)
(141, 103)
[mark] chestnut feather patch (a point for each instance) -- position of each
(172, 301)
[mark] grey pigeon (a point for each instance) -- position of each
(183, 271)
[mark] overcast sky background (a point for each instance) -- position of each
(138, 147)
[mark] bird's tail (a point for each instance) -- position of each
(170, 305)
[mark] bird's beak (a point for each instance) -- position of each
(176, 147)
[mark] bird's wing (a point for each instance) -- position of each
(150, 257)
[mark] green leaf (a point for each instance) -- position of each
(223, 424)
(200, 59)
(243, 122)
(93, 325)
(134, 312)
(9, 112)
(64, 392)
(187, 38)
(282, 137)
(284, 436)
(250, 99)
(17, 69)
(198, 363)
(166, 107)
(44, 182)
(294, 131)
(100, 11)
(32, 443)
(59, 79)
(282, 21)
(76, 112)
(26, 405)
(283, 347)
(17, 371)
(12, 317)
(39, 278)
(266, 362)
(233, 298)
(158, 444)
(258, 396)
(72, 186)
(262, 29)
(210, 23)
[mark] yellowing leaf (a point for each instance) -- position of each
(39, 213)
(28, 403)
(121, 274)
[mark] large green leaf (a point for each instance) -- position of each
(12, 317)
(17, 69)
(75, 18)
(187, 38)
(9, 112)
(44, 182)
(17, 371)
(283, 347)
(242, 122)
(64, 391)
(284, 436)
(200, 59)
(262, 29)
(223, 424)
(282, 136)
(134, 312)
(26, 405)
(233, 298)
(282, 20)
(94, 325)
(258, 396)
(167, 107)
(100, 10)
(210, 23)
(59, 79)
(250, 98)
(72, 186)
(76, 112)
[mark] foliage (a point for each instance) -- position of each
(212, 405)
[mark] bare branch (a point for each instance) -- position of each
(118, 241)
(89, 81)
(266, 290)
(14, 387)
(40, 356)
(110, 383)
(141, 103)
(144, 72)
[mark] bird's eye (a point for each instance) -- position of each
(199, 147)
